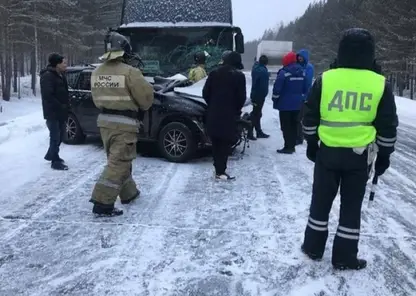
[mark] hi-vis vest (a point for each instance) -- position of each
(349, 103)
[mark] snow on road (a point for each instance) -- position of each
(188, 235)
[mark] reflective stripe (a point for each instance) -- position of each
(348, 233)
(108, 183)
(386, 142)
(287, 74)
(318, 222)
(309, 128)
(118, 119)
(387, 139)
(380, 143)
(348, 236)
(275, 96)
(309, 133)
(112, 98)
(317, 228)
(350, 230)
(344, 124)
(296, 78)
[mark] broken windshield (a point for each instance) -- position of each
(167, 51)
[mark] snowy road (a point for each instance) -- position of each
(189, 236)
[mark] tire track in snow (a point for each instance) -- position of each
(51, 202)
(55, 183)
(156, 212)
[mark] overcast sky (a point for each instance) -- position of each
(255, 16)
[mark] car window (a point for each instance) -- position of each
(72, 78)
(85, 81)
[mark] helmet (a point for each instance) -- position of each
(200, 57)
(118, 46)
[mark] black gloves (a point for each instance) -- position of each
(382, 164)
(312, 150)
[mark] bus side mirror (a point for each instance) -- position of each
(239, 42)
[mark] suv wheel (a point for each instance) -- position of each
(176, 142)
(72, 133)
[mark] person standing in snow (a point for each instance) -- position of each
(350, 114)
(288, 96)
(198, 72)
(225, 94)
(120, 91)
(55, 104)
(259, 92)
(303, 59)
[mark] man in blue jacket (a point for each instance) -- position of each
(303, 59)
(289, 90)
(259, 92)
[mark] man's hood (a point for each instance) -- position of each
(294, 69)
(257, 65)
(48, 68)
(304, 53)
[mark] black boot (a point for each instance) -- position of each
(313, 256)
(299, 142)
(102, 210)
(127, 201)
(261, 135)
(354, 264)
(59, 165)
(285, 150)
(250, 135)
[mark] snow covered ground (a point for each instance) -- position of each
(188, 235)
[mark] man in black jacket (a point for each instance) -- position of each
(55, 104)
(352, 112)
(225, 94)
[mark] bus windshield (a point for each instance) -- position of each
(168, 51)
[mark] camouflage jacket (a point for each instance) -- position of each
(118, 86)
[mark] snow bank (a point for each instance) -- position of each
(20, 127)
(406, 110)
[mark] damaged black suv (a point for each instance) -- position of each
(175, 122)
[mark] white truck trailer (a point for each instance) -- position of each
(274, 50)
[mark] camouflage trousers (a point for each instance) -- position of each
(116, 179)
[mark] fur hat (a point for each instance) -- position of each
(356, 49)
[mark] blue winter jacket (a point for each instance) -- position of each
(260, 82)
(290, 88)
(309, 69)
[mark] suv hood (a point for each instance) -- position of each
(194, 91)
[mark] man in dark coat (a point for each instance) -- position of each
(288, 96)
(55, 104)
(259, 92)
(225, 94)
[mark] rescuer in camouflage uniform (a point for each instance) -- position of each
(119, 91)
(198, 72)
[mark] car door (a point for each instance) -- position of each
(87, 110)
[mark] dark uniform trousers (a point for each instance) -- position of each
(256, 114)
(334, 168)
(289, 126)
(220, 151)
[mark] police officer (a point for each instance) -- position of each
(198, 72)
(119, 91)
(352, 112)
